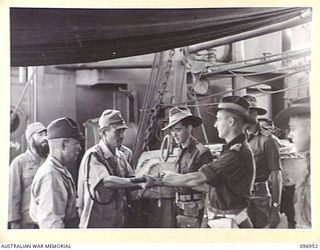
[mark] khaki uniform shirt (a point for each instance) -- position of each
(128, 154)
(266, 153)
(21, 173)
(53, 195)
(113, 213)
(191, 159)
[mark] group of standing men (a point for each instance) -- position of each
(231, 190)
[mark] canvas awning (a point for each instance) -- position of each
(62, 36)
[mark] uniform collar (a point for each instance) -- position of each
(56, 161)
(255, 133)
(191, 144)
(58, 165)
(106, 151)
(238, 139)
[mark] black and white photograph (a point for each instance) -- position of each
(160, 118)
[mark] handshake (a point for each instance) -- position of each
(149, 181)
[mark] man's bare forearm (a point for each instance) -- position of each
(184, 180)
(118, 182)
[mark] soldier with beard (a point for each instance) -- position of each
(21, 173)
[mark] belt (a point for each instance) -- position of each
(261, 189)
(238, 217)
(189, 197)
(190, 204)
(224, 212)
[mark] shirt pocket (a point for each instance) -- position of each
(28, 174)
(105, 195)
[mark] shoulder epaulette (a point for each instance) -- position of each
(236, 147)
(201, 148)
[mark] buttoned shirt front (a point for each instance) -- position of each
(231, 176)
(93, 214)
(21, 173)
(266, 153)
(128, 154)
(191, 159)
(53, 195)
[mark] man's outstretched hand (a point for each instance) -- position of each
(151, 181)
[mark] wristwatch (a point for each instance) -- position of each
(275, 204)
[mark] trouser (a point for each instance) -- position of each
(190, 209)
(152, 213)
(287, 206)
(26, 226)
(259, 210)
(235, 218)
(260, 205)
(72, 223)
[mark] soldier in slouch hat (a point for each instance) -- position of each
(230, 176)
(265, 206)
(192, 155)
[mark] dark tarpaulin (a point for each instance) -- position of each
(61, 36)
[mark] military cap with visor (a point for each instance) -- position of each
(111, 117)
(33, 128)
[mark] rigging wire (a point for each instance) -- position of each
(267, 91)
(264, 93)
(248, 86)
(283, 90)
(269, 71)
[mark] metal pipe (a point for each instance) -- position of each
(273, 71)
(22, 94)
(107, 65)
(269, 59)
(252, 85)
(303, 18)
(130, 110)
(202, 125)
(23, 75)
(35, 98)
